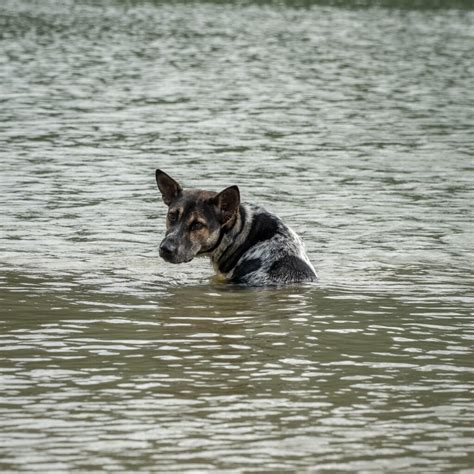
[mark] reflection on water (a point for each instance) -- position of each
(352, 124)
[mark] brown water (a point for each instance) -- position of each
(354, 125)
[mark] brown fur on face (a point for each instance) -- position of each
(195, 218)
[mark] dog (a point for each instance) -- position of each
(246, 244)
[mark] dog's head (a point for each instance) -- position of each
(195, 218)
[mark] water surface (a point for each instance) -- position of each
(353, 124)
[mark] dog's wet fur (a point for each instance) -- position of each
(246, 244)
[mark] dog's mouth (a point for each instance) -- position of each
(176, 261)
(173, 258)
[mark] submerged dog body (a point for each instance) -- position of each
(246, 243)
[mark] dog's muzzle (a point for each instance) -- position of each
(174, 253)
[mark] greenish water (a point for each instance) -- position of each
(353, 122)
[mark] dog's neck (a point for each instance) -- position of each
(232, 235)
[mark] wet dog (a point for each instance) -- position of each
(246, 243)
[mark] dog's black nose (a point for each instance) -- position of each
(165, 250)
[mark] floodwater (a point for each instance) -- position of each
(353, 124)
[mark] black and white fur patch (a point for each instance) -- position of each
(260, 250)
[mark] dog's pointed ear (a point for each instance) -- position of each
(169, 188)
(227, 203)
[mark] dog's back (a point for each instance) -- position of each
(261, 250)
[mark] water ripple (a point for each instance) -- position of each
(353, 124)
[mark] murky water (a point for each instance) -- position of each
(354, 125)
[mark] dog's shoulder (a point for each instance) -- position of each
(257, 227)
(262, 224)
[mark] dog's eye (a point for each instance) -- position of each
(196, 225)
(172, 217)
